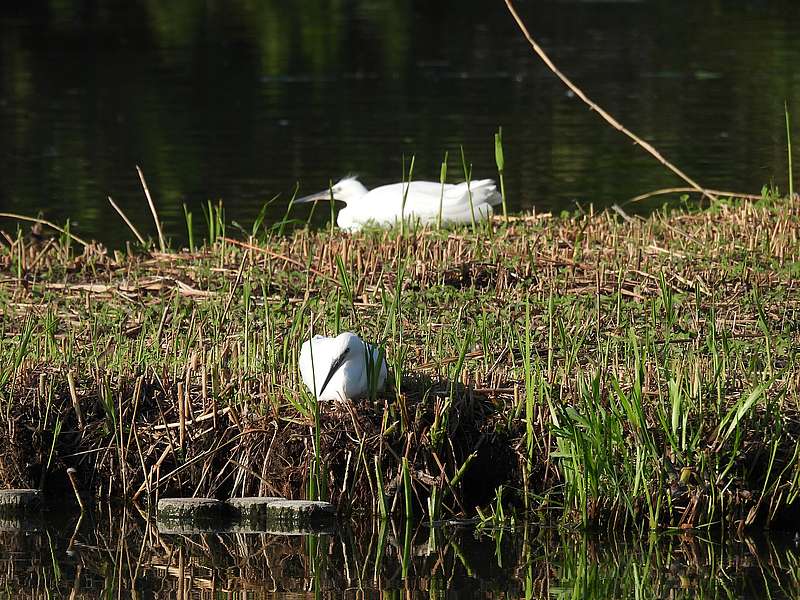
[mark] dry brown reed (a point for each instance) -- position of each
(184, 363)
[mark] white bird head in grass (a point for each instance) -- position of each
(340, 367)
(348, 189)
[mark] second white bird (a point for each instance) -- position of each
(339, 367)
(384, 205)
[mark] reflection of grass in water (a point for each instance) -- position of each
(670, 566)
(118, 553)
(280, 31)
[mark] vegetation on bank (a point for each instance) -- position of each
(594, 369)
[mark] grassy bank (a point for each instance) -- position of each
(596, 369)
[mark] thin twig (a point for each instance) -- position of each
(74, 482)
(689, 190)
(127, 222)
(608, 118)
(618, 209)
(234, 286)
(161, 243)
(73, 394)
(44, 222)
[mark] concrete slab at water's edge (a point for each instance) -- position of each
(19, 502)
(253, 514)
(300, 513)
(290, 517)
(252, 509)
(192, 515)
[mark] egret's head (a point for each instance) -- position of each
(349, 348)
(345, 190)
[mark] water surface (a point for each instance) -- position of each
(240, 100)
(113, 554)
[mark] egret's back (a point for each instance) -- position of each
(423, 201)
(321, 357)
(351, 380)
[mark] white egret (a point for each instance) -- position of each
(384, 205)
(341, 367)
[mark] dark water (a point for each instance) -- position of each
(118, 555)
(239, 100)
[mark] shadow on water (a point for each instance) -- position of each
(113, 553)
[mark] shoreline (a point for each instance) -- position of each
(599, 371)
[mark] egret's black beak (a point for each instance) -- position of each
(335, 366)
(323, 195)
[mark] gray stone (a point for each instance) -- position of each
(299, 514)
(192, 513)
(186, 516)
(251, 511)
(289, 517)
(19, 502)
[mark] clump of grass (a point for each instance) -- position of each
(500, 160)
(442, 182)
(406, 187)
(789, 151)
(639, 373)
(467, 168)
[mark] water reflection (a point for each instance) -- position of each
(239, 100)
(121, 554)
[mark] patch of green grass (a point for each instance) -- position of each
(601, 372)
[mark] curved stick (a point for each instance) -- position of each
(45, 222)
(608, 118)
(128, 222)
(687, 190)
(161, 244)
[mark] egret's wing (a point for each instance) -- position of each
(483, 191)
(305, 364)
(316, 356)
(428, 189)
(423, 200)
(384, 204)
(458, 202)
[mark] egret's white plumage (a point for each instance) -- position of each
(384, 205)
(338, 366)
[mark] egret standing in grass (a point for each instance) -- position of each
(415, 201)
(341, 367)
